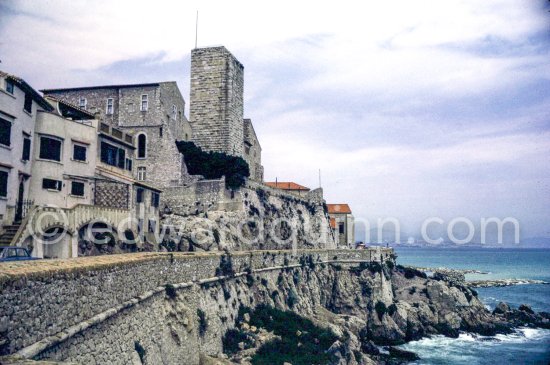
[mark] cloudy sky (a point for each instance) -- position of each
(411, 109)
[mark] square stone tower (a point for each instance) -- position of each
(216, 103)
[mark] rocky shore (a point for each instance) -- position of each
(368, 311)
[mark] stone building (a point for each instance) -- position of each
(216, 107)
(342, 222)
(19, 105)
(153, 113)
(253, 152)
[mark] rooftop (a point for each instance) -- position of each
(123, 86)
(338, 209)
(288, 185)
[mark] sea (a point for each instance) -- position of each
(526, 345)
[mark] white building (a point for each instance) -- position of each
(19, 105)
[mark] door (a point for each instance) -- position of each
(19, 208)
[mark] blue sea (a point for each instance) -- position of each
(526, 346)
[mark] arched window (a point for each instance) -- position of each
(142, 146)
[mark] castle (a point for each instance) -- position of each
(110, 152)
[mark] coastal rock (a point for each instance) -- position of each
(501, 308)
(402, 354)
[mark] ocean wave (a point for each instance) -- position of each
(472, 348)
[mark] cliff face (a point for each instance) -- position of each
(143, 311)
(257, 218)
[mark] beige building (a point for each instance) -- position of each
(19, 105)
(342, 222)
(82, 177)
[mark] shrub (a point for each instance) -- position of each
(231, 341)
(381, 309)
(314, 341)
(214, 165)
(203, 321)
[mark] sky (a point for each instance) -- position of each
(409, 109)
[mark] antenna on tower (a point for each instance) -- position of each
(196, 28)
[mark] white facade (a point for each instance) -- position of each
(73, 171)
(19, 105)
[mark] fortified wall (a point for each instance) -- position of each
(158, 308)
(253, 217)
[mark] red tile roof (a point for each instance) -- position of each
(286, 186)
(339, 209)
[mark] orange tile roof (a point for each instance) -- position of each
(339, 209)
(286, 186)
(333, 222)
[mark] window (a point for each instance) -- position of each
(160, 132)
(50, 148)
(341, 228)
(26, 149)
(112, 155)
(152, 225)
(77, 188)
(5, 132)
(139, 195)
(141, 173)
(3, 184)
(9, 86)
(79, 152)
(109, 106)
(142, 146)
(51, 184)
(28, 103)
(174, 112)
(144, 103)
(82, 103)
(128, 164)
(130, 107)
(121, 162)
(155, 199)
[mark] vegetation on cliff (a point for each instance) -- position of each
(299, 341)
(214, 165)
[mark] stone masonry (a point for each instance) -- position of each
(216, 103)
(163, 122)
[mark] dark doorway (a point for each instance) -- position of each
(20, 201)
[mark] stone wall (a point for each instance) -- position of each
(164, 164)
(253, 217)
(253, 152)
(95, 310)
(216, 101)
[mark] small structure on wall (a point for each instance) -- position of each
(342, 222)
